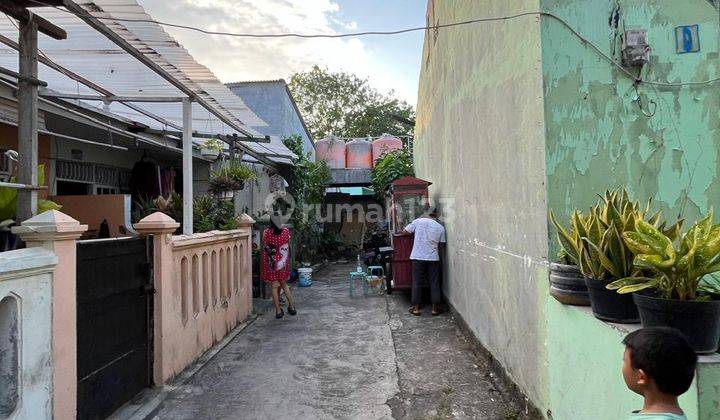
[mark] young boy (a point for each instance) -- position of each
(658, 364)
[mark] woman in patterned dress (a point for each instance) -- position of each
(275, 267)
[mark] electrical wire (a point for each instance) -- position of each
(582, 38)
(69, 76)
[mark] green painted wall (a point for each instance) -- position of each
(708, 383)
(597, 138)
(585, 357)
(480, 140)
(518, 117)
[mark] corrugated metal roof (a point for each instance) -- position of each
(253, 82)
(96, 58)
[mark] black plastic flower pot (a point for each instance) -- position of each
(567, 285)
(609, 305)
(699, 321)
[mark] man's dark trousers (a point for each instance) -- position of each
(429, 270)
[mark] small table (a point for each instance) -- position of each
(363, 278)
(375, 268)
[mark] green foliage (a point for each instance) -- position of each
(236, 171)
(213, 144)
(307, 181)
(391, 167)
(595, 241)
(203, 214)
(8, 199)
(231, 177)
(172, 206)
(212, 214)
(143, 207)
(219, 185)
(209, 213)
(570, 240)
(675, 267)
(319, 245)
(342, 104)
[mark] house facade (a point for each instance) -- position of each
(520, 116)
(92, 146)
(89, 324)
(272, 101)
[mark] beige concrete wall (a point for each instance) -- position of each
(204, 289)
(57, 233)
(92, 209)
(480, 141)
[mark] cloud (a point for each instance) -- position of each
(238, 59)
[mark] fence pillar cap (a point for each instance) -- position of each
(244, 220)
(156, 224)
(50, 225)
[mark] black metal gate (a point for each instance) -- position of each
(114, 323)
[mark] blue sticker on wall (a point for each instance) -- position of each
(687, 39)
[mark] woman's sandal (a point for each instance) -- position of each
(291, 310)
(437, 312)
(414, 312)
(280, 315)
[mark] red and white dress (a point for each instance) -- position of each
(276, 266)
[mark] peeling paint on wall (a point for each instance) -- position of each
(597, 136)
(520, 116)
(9, 351)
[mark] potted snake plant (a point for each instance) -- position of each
(567, 284)
(674, 290)
(608, 258)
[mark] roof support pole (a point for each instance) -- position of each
(27, 119)
(187, 168)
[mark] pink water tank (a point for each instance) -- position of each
(332, 151)
(385, 144)
(359, 154)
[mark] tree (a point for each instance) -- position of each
(391, 167)
(342, 104)
(307, 182)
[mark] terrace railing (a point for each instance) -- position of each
(203, 288)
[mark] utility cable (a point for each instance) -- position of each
(582, 38)
(61, 70)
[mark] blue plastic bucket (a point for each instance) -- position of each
(305, 275)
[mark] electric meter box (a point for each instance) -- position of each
(635, 48)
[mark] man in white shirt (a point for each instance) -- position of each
(429, 235)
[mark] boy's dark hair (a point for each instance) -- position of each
(665, 355)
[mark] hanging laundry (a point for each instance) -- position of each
(145, 180)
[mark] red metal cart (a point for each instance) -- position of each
(409, 197)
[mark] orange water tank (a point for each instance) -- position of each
(359, 154)
(332, 151)
(385, 144)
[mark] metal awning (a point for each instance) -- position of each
(133, 59)
(116, 53)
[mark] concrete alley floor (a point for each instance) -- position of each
(342, 357)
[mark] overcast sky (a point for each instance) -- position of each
(388, 62)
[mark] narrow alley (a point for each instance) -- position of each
(341, 357)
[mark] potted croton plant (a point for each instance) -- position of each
(672, 290)
(567, 284)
